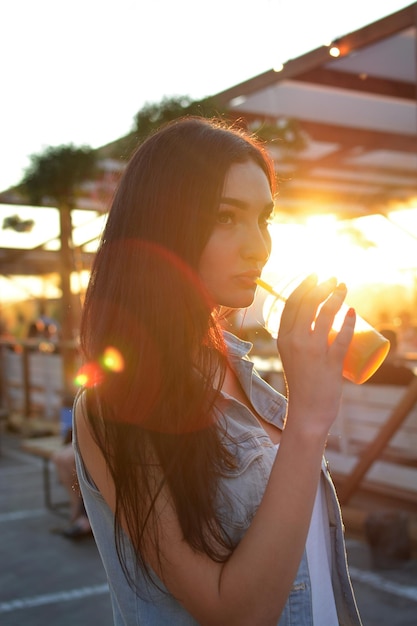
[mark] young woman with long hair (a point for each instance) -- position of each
(206, 492)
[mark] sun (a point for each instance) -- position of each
(374, 255)
(359, 251)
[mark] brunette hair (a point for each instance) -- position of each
(150, 337)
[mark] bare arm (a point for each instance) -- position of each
(252, 587)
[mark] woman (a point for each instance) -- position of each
(198, 518)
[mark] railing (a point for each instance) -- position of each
(374, 440)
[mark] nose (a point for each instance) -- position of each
(257, 245)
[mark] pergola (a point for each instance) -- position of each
(358, 114)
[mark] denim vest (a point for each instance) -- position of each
(242, 490)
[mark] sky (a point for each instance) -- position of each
(78, 72)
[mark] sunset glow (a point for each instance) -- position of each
(373, 255)
(357, 251)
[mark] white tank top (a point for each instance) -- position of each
(320, 562)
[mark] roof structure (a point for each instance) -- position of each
(358, 114)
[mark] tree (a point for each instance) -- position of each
(152, 115)
(284, 133)
(53, 177)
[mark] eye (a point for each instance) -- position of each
(225, 217)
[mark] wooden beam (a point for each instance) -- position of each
(347, 136)
(365, 36)
(16, 261)
(382, 29)
(359, 83)
(307, 169)
(360, 137)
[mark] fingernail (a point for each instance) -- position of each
(341, 287)
(351, 312)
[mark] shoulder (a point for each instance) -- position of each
(90, 452)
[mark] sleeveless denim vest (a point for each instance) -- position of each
(242, 489)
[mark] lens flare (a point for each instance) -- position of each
(113, 360)
(88, 375)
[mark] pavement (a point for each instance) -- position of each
(47, 579)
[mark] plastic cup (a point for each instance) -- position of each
(367, 349)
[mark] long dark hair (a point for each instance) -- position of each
(148, 328)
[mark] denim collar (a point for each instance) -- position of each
(267, 401)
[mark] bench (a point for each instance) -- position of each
(44, 448)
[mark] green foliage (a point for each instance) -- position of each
(56, 172)
(153, 115)
(15, 222)
(285, 134)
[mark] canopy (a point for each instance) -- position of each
(357, 113)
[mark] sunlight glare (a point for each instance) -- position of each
(355, 251)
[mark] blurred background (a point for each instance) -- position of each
(331, 88)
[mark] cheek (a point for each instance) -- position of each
(204, 266)
(208, 269)
(209, 258)
(212, 270)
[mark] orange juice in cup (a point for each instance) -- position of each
(367, 349)
(366, 352)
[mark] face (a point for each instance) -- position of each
(240, 244)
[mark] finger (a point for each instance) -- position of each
(343, 338)
(325, 318)
(305, 302)
(294, 302)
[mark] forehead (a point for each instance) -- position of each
(247, 181)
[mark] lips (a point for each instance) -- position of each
(248, 279)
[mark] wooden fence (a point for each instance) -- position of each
(32, 378)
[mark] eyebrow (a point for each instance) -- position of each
(240, 204)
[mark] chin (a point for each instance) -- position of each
(232, 298)
(238, 303)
